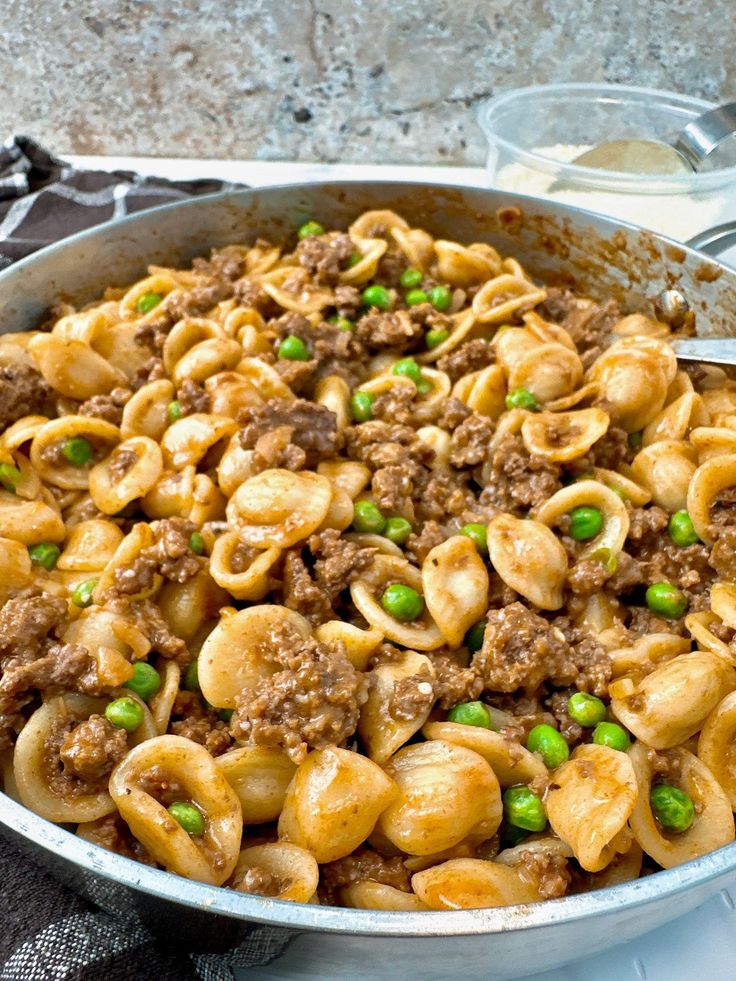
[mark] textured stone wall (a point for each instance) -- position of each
(388, 80)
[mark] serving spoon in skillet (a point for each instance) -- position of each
(672, 307)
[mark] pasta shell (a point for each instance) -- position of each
(529, 558)
(455, 584)
(278, 508)
(472, 883)
(210, 858)
(381, 732)
(235, 655)
(563, 436)
(333, 802)
(713, 826)
(446, 793)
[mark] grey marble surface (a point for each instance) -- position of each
(371, 80)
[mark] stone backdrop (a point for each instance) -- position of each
(367, 81)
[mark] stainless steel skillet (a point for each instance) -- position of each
(560, 245)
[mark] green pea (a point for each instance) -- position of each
(188, 816)
(478, 534)
(355, 258)
(474, 637)
(9, 476)
(550, 745)
(77, 450)
(82, 595)
(125, 713)
(145, 682)
(424, 386)
(433, 338)
(293, 349)
(196, 543)
(521, 398)
(173, 411)
(665, 600)
(523, 809)
(342, 323)
(411, 278)
(147, 301)
(414, 297)
(397, 530)
(681, 529)
(611, 734)
(377, 296)
(45, 554)
(672, 807)
(440, 297)
(310, 228)
(586, 710)
(225, 714)
(635, 440)
(361, 405)
(367, 517)
(402, 602)
(408, 368)
(470, 714)
(191, 676)
(606, 558)
(585, 523)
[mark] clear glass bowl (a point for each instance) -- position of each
(534, 133)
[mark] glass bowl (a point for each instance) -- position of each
(534, 133)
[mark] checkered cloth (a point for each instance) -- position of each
(47, 933)
(43, 199)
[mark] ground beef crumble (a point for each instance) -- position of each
(467, 358)
(108, 407)
(412, 696)
(192, 718)
(521, 649)
(454, 681)
(515, 480)
(364, 863)
(392, 329)
(324, 258)
(470, 441)
(92, 749)
(312, 702)
(302, 593)
(170, 556)
(192, 398)
(313, 428)
(23, 392)
(339, 561)
(550, 872)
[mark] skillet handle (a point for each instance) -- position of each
(714, 240)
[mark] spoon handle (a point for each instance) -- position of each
(708, 350)
(706, 133)
(714, 240)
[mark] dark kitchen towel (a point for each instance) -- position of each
(47, 932)
(43, 199)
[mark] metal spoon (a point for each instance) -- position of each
(708, 139)
(672, 308)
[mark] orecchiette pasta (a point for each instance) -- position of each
(589, 803)
(190, 767)
(446, 793)
(313, 536)
(333, 802)
(713, 824)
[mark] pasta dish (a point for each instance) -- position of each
(365, 570)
